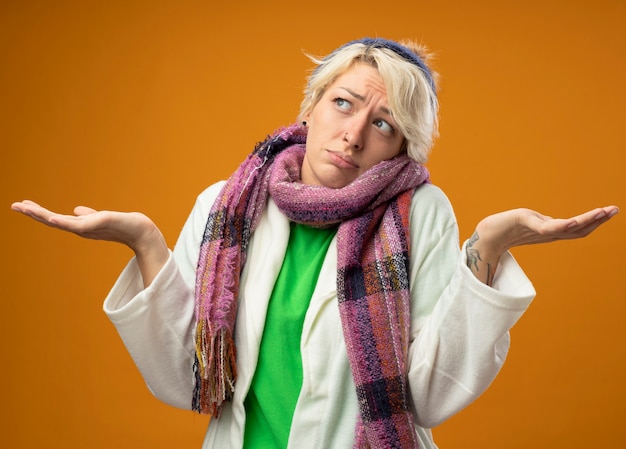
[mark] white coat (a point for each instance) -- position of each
(459, 327)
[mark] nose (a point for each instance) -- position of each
(354, 136)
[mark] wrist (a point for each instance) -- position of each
(482, 257)
(151, 251)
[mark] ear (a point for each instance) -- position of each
(405, 146)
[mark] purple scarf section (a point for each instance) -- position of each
(372, 277)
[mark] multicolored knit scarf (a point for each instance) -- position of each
(372, 276)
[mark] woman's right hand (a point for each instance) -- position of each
(132, 229)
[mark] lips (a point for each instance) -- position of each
(342, 160)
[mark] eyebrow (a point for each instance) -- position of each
(362, 98)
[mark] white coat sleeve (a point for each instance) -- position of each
(460, 326)
(156, 324)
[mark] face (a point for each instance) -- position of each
(350, 129)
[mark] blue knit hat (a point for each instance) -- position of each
(400, 50)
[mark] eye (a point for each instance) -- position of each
(383, 126)
(343, 104)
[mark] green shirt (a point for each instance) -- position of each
(277, 381)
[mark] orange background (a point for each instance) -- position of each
(138, 105)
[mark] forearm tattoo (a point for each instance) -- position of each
(473, 259)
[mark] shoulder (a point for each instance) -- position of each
(430, 207)
(206, 198)
(196, 221)
(209, 194)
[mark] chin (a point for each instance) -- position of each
(332, 177)
(337, 184)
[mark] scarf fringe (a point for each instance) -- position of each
(214, 354)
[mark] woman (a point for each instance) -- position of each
(359, 323)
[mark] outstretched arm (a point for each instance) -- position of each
(500, 232)
(132, 229)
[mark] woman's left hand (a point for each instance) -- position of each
(500, 232)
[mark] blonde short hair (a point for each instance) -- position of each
(410, 83)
